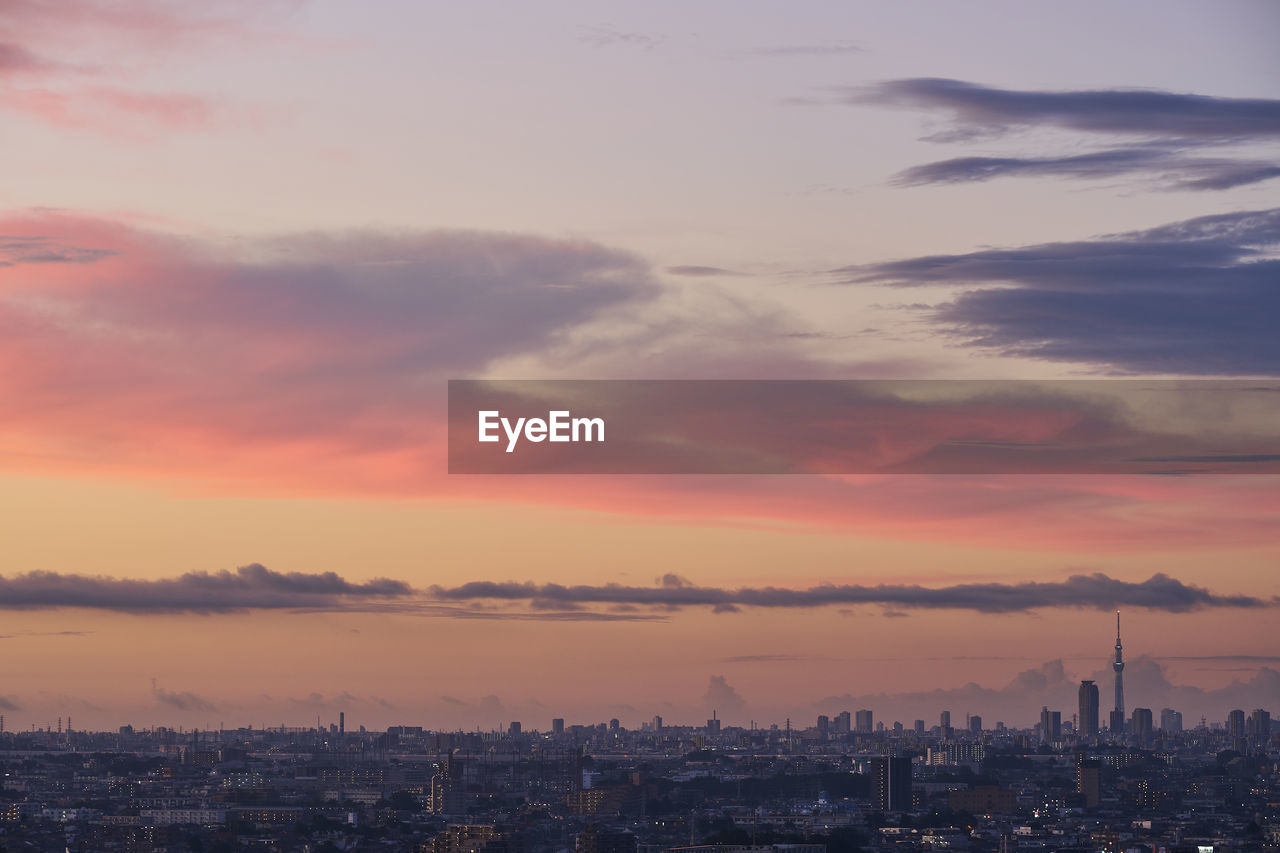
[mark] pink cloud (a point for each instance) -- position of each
(315, 364)
(103, 109)
(48, 52)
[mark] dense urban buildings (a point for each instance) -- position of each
(830, 787)
(604, 788)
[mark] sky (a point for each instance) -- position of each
(244, 246)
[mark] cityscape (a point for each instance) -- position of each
(583, 426)
(838, 784)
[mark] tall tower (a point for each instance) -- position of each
(1118, 666)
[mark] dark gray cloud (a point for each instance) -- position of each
(255, 587)
(9, 703)
(182, 700)
(541, 612)
(699, 271)
(252, 587)
(397, 304)
(1159, 592)
(1192, 297)
(979, 109)
(1164, 165)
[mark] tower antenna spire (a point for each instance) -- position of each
(1117, 716)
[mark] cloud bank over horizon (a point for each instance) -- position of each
(255, 587)
(1052, 685)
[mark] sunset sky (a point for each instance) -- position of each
(245, 244)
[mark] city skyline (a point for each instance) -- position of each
(721, 696)
(245, 246)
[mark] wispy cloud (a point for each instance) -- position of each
(978, 109)
(775, 658)
(1172, 124)
(834, 48)
(610, 36)
(182, 700)
(74, 64)
(1167, 166)
(45, 249)
(46, 634)
(695, 271)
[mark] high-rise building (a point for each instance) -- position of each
(1142, 724)
(919, 727)
(1088, 709)
(513, 729)
(342, 722)
(1050, 725)
(1118, 666)
(557, 726)
(1089, 780)
(862, 721)
(1235, 724)
(447, 792)
(824, 725)
(975, 725)
(891, 783)
(1257, 727)
(844, 723)
(1170, 721)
